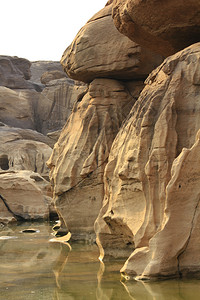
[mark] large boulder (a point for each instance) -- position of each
(80, 155)
(99, 50)
(152, 181)
(24, 195)
(162, 26)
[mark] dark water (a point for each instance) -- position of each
(33, 268)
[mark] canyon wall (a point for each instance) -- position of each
(139, 166)
(152, 176)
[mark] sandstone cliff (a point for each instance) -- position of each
(152, 176)
(80, 155)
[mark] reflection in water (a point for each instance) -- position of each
(32, 268)
(164, 290)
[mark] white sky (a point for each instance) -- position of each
(42, 29)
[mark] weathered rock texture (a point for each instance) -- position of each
(15, 109)
(15, 72)
(152, 180)
(99, 50)
(25, 196)
(24, 150)
(27, 108)
(162, 26)
(81, 153)
(54, 105)
(44, 110)
(38, 68)
(52, 75)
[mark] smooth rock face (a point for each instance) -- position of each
(99, 50)
(162, 26)
(152, 181)
(80, 155)
(26, 196)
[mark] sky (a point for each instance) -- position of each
(42, 29)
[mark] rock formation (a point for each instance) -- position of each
(99, 50)
(24, 150)
(28, 109)
(38, 68)
(55, 103)
(165, 27)
(15, 72)
(26, 196)
(41, 107)
(80, 155)
(152, 175)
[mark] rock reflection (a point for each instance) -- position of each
(33, 268)
(109, 284)
(164, 290)
(76, 272)
(26, 263)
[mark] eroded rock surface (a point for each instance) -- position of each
(24, 150)
(165, 27)
(152, 176)
(15, 109)
(24, 196)
(38, 68)
(15, 72)
(80, 155)
(99, 50)
(44, 110)
(54, 105)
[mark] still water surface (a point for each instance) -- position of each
(33, 268)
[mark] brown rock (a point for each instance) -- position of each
(151, 179)
(19, 152)
(24, 195)
(52, 75)
(15, 109)
(44, 112)
(80, 155)
(55, 104)
(99, 50)
(15, 72)
(40, 67)
(164, 27)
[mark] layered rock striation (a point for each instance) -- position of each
(29, 110)
(99, 50)
(80, 155)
